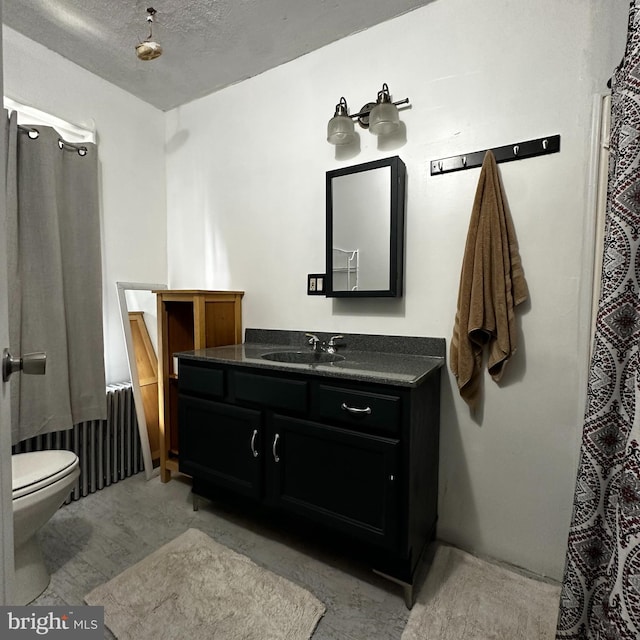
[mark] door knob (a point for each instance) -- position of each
(33, 364)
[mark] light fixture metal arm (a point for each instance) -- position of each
(366, 110)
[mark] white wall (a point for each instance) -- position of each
(245, 198)
(132, 169)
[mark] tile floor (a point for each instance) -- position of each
(89, 541)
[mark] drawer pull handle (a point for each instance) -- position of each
(276, 457)
(346, 407)
(253, 443)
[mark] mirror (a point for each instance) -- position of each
(138, 311)
(365, 229)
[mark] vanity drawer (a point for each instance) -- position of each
(272, 392)
(201, 380)
(372, 410)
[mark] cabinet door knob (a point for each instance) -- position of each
(276, 457)
(345, 407)
(253, 443)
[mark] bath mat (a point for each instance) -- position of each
(194, 587)
(465, 597)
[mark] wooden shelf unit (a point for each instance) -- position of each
(188, 319)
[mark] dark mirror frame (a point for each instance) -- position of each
(396, 239)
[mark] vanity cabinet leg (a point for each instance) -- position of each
(194, 499)
(407, 587)
(408, 595)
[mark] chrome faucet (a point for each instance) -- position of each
(319, 345)
(331, 345)
(314, 341)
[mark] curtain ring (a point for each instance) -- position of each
(32, 132)
(82, 151)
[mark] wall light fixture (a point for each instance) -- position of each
(380, 117)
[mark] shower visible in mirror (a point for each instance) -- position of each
(365, 230)
(138, 311)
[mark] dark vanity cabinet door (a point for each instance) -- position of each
(221, 443)
(340, 478)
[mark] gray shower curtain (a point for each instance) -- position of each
(55, 280)
(601, 587)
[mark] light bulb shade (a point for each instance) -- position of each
(148, 50)
(340, 130)
(384, 119)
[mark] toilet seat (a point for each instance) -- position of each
(35, 470)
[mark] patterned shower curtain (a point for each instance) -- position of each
(601, 588)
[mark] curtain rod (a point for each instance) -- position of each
(506, 153)
(31, 116)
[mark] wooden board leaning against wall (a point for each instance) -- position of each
(147, 366)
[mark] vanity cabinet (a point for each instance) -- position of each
(358, 459)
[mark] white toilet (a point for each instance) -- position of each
(42, 480)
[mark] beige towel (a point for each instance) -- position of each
(492, 283)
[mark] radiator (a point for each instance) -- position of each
(109, 450)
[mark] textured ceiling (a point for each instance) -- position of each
(208, 44)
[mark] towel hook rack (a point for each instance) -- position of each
(517, 151)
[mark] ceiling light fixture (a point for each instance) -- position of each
(149, 49)
(380, 117)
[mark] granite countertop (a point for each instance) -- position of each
(392, 360)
